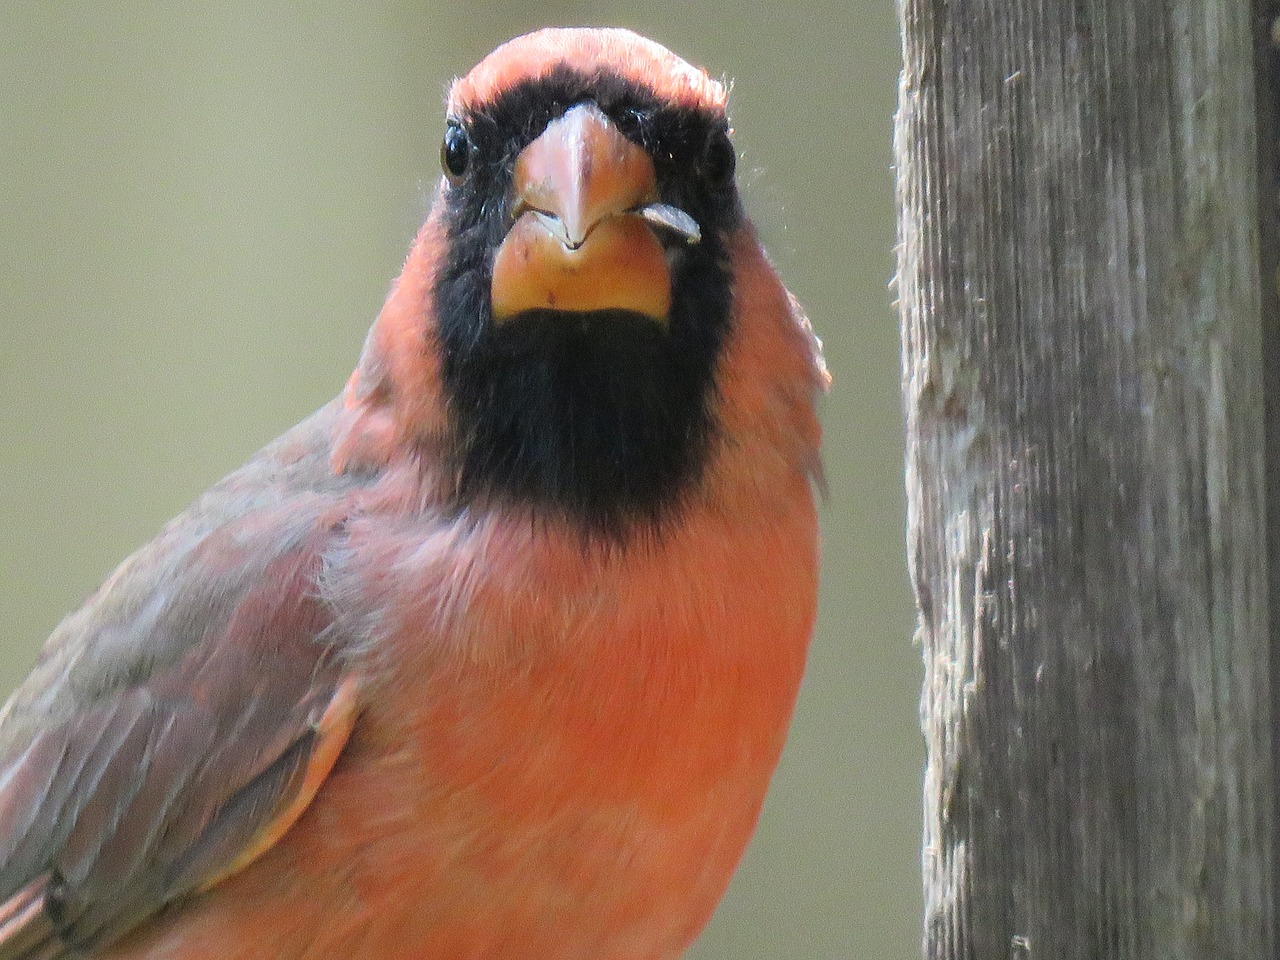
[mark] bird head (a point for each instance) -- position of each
(559, 335)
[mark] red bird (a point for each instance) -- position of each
(494, 655)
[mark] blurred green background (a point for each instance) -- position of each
(201, 208)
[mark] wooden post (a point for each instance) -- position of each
(1083, 378)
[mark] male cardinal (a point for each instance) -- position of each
(494, 655)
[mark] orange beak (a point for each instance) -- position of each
(586, 214)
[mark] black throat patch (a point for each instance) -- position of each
(603, 417)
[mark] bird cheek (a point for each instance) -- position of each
(620, 265)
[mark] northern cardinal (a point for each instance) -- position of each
(494, 655)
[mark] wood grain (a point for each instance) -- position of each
(1083, 380)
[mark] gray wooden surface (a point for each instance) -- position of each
(1079, 285)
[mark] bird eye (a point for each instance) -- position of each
(718, 159)
(455, 151)
(634, 122)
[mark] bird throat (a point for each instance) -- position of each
(601, 416)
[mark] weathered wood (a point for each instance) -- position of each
(1083, 377)
(1267, 71)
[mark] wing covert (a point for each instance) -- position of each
(184, 719)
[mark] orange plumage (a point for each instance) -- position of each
(493, 656)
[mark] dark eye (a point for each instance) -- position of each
(455, 151)
(718, 159)
(634, 123)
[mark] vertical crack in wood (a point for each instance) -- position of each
(1266, 32)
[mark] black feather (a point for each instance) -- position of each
(603, 417)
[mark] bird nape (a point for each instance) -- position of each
(494, 655)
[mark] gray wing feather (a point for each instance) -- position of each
(169, 720)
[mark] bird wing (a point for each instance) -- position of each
(176, 727)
